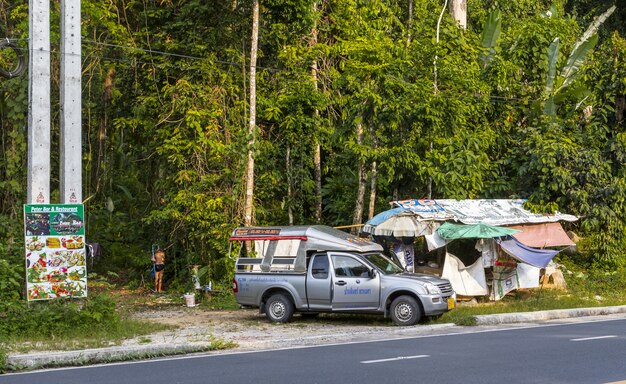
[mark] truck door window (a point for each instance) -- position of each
(319, 268)
(348, 267)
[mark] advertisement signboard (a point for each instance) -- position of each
(55, 251)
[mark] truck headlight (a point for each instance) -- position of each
(432, 289)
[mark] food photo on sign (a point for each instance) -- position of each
(55, 251)
(37, 224)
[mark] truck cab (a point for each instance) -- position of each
(312, 269)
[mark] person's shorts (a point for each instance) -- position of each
(159, 267)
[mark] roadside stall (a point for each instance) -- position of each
(486, 248)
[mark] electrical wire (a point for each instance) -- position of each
(179, 55)
(20, 66)
(17, 48)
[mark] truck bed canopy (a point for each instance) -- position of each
(294, 242)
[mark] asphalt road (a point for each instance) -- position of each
(578, 352)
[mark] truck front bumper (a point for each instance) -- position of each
(435, 305)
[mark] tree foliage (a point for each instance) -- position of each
(526, 105)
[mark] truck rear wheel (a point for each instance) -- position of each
(279, 308)
(405, 311)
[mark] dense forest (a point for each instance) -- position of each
(354, 103)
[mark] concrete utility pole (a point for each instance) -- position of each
(71, 71)
(38, 179)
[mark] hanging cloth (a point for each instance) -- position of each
(538, 257)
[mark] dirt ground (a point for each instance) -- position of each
(247, 329)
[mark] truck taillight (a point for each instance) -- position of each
(235, 286)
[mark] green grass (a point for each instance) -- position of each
(4, 354)
(82, 338)
(531, 301)
(219, 300)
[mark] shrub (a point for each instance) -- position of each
(57, 318)
(11, 279)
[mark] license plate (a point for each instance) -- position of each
(450, 302)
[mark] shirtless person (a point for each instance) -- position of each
(159, 265)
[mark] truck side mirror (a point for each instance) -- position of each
(372, 273)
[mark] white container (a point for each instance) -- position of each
(190, 299)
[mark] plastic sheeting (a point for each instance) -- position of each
(474, 231)
(402, 225)
(466, 281)
(381, 217)
(435, 241)
(489, 251)
(542, 235)
(527, 275)
(537, 257)
(504, 281)
(474, 211)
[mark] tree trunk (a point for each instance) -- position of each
(317, 156)
(409, 23)
(249, 204)
(317, 159)
(362, 179)
(374, 175)
(289, 186)
(372, 206)
(101, 137)
(458, 10)
(620, 108)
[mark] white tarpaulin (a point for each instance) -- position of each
(466, 281)
(474, 211)
(527, 275)
(435, 241)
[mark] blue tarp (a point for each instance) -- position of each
(533, 256)
(385, 215)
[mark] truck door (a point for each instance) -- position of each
(353, 286)
(318, 280)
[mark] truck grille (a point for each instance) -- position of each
(446, 289)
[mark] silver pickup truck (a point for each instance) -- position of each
(312, 269)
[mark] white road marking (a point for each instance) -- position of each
(594, 338)
(394, 359)
(216, 354)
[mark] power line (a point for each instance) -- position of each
(231, 63)
(179, 55)
(161, 53)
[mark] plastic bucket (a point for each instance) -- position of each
(190, 300)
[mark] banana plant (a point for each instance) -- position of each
(569, 73)
(489, 37)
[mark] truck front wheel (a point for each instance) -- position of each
(405, 311)
(279, 308)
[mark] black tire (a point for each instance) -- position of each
(279, 308)
(310, 315)
(405, 311)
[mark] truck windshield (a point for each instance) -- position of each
(385, 264)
